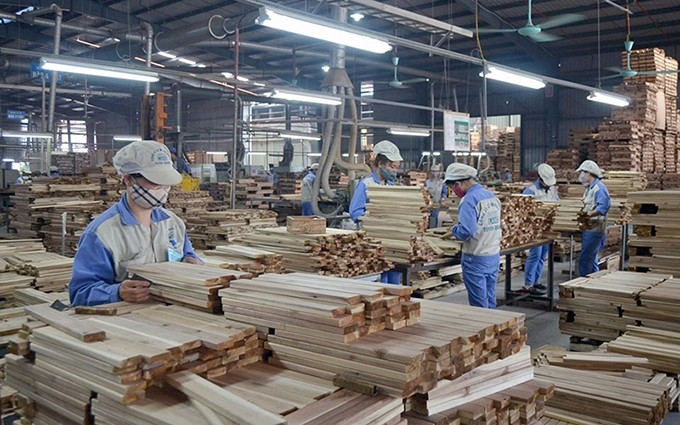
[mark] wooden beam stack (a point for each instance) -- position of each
(188, 204)
(661, 348)
(582, 145)
(398, 216)
(562, 159)
(508, 154)
(290, 184)
(79, 213)
(191, 285)
(50, 272)
(524, 220)
(112, 186)
(659, 306)
(71, 163)
(620, 147)
(211, 228)
(338, 252)
(243, 258)
(247, 190)
(619, 183)
(348, 407)
(414, 178)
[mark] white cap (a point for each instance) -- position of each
(547, 174)
(458, 171)
(150, 159)
(54, 168)
(590, 167)
(314, 166)
(436, 168)
(389, 149)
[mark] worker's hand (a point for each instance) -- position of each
(192, 260)
(134, 291)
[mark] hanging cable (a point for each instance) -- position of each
(479, 43)
(599, 65)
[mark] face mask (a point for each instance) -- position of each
(458, 191)
(148, 198)
(583, 179)
(388, 175)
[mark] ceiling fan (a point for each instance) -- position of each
(536, 32)
(396, 83)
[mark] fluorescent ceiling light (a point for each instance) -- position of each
(346, 155)
(240, 78)
(87, 43)
(306, 96)
(217, 153)
(256, 153)
(407, 131)
(187, 61)
(314, 154)
(299, 135)
(357, 16)
(168, 55)
(64, 65)
(201, 65)
(303, 25)
(7, 160)
(325, 68)
(428, 153)
(152, 62)
(258, 84)
(228, 75)
(127, 138)
(512, 77)
(20, 134)
(608, 98)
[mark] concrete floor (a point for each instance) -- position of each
(543, 326)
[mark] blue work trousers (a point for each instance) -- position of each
(307, 208)
(480, 275)
(591, 245)
(391, 276)
(535, 263)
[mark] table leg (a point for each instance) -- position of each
(571, 257)
(551, 275)
(508, 277)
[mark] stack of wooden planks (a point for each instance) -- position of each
(601, 307)
(50, 272)
(71, 163)
(243, 258)
(524, 220)
(30, 296)
(187, 204)
(582, 146)
(220, 192)
(661, 348)
(250, 192)
(658, 306)
(191, 285)
(397, 216)
(562, 159)
(339, 309)
(668, 181)
(348, 407)
(620, 147)
(619, 183)
(508, 153)
(209, 229)
(15, 246)
(64, 218)
(338, 252)
(414, 178)
(10, 282)
(111, 184)
(290, 184)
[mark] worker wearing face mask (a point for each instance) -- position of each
(137, 230)
(596, 204)
(438, 192)
(543, 189)
(385, 165)
(479, 227)
(308, 190)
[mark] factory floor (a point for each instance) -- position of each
(543, 325)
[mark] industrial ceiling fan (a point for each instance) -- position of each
(536, 32)
(396, 83)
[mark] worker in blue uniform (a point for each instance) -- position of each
(479, 227)
(543, 189)
(308, 190)
(136, 230)
(438, 192)
(183, 166)
(596, 204)
(385, 166)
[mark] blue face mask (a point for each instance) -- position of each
(582, 178)
(388, 175)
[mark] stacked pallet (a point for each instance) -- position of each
(398, 216)
(50, 272)
(508, 154)
(619, 183)
(661, 348)
(188, 204)
(414, 178)
(211, 228)
(562, 159)
(111, 184)
(64, 218)
(186, 284)
(290, 184)
(71, 163)
(582, 146)
(341, 253)
(620, 147)
(243, 258)
(654, 181)
(524, 220)
(249, 192)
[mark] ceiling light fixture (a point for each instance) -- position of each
(428, 153)
(407, 131)
(127, 138)
(357, 16)
(63, 65)
(306, 97)
(609, 99)
(152, 62)
(512, 77)
(258, 84)
(325, 68)
(187, 61)
(314, 154)
(300, 23)
(299, 135)
(256, 153)
(87, 43)
(217, 153)
(24, 134)
(240, 78)
(168, 55)
(201, 65)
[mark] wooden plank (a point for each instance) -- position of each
(82, 330)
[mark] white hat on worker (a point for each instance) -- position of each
(458, 171)
(314, 166)
(54, 168)
(590, 167)
(150, 159)
(547, 174)
(388, 149)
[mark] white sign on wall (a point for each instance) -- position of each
(456, 132)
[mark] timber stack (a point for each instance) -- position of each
(508, 151)
(668, 181)
(112, 186)
(398, 217)
(64, 218)
(219, 191)
(524, 220)
(50, 272)
(71, 163)
(659, 347)
(211, 228)
(619, 183)
(414, 178)
(252, 193)
(290, 184)
(620, 147)
(562, 159)
(336, 252)
(243, 258)
(188, 204)
(582, 145)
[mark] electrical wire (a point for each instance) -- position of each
(479, 43)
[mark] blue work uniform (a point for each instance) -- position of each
(357, 209)
(479, 227)
(595, 198)
(537, 256)
(307, 193)
(185, 167)
(116, 240)
(438, 192)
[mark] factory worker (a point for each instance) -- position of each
(596, 204)
(507, 176)
(543, 189)
(185, 167)
(479, 227)
(438, 192)
(308, 189)
(54, 171)
(387, 162)
(137, 230)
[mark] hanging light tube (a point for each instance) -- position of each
(607, 98)
(306, 97)
(299, 135)
(407, 131)
(127, 138)
(513, 77)
(302, 24)
(24, 134)
(65, 65)
(217, 153)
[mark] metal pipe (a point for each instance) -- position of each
(43, 117)
(53, 85)
(87, 92)
(236, 130)
(430, 158)
(149, 52)
(192, 34)
(178, 126)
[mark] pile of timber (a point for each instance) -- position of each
(582, 145)
(211, 228)
(562, 159)
(562, 248)
(668, 181)
(513, 188)
(570, 190)
(398, 217)
(655, 247)
(111, 184)
(188, 203)
(661, 348)
(654, 181)
(290, 183)
(658, 306)
(243, 258)
(31, 296)
(249, 192)
(619, 183)
(414, 178)
(219, 191)
(11, 282)
(339, 309)
(15, 246)
(342, 253)
(439, 239)
(120, 357)
(524, 219)
(569, 217)
(508, 151)
(602, 306)
(348, 407)
(71, 163)
(185, 284)
(50, 272)
(620, 147)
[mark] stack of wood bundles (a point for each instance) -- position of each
(188, 203)
(620, 147)
(508, 155)
(414, 178)
(243, 258)
(562, 159)
(619, 183)
(524, 220)
(31, 296)
(50, 272)
(248, 190)
(654, 181)
(220, 192)
(112, 186)
(71, 163)
(9, 283)
(64, 218)
(342, 253)
(16, 246)
(661, 348)
(582, 146)
(186, 284)
(290, 184)
(398, 216)
(670, 153)
(668, 181)
(209, 229)
(658, 306)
